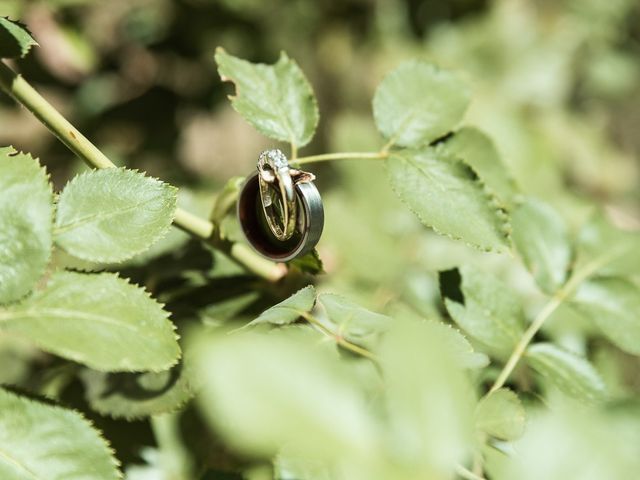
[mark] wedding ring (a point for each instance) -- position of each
(277, 193)
(308, 225)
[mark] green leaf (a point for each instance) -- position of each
(501, 415)
(276, 99)
(460, 347)
(99, 320)
(447, 195)
(137, 395)
(111, 215)
(288, 311)
(619, 249)
(350, 321)
(430, 402)
(573, 441)
(478, 150)
(570, 373)
(42, 442)
(26, 215)
(540, 235)
(227, 308)
(310, 263)
(226, 200)
(491, 312)
(15, 39)
(613, 305)
(418, 103)
(262, 392)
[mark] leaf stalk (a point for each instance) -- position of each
(381, 155)
(554, 302)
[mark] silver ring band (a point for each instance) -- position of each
(309, 222)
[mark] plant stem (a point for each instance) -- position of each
(551, 306)
(22, 92)
(193, 224)
(262, 267)
(341, 156)
(339, 339)
(175, 461)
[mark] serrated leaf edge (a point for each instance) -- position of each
(46, 176)
(108, 449)
(119, 260)
(418, 63)
(283, 57)
(255, 322)
(166, 316)
(494, 202)
(521, 410)
(33, 43)
(587, 394)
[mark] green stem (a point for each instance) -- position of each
(339, 339)
(262, 267)
(556, 300)
(175, 460)
(22, 92)
(341, 156)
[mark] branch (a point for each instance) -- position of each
(560, 296)
(341, 156)
(22, 92)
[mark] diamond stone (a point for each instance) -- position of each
(274, 158)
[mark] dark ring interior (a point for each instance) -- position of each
(255, 226)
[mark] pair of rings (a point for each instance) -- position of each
(280, 209)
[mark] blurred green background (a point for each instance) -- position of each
(555, 83)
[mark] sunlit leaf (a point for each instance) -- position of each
(418, 102)
(112, 214)
(261, 391)
(571, 441)
(447, 195)
(613, 305)
(99, 320)
(40, 441)
(570, 373)
(352, 322)
(15, 39)
(541, 236)
(26, 215)
(490, 313)
(276, 99)
(501, 415)
(459, 346)
(429, 400)
(477, 150)
(288, 310)
(617, 251)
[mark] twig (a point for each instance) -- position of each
(341, 156)
(22, 92)
(555, 301)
